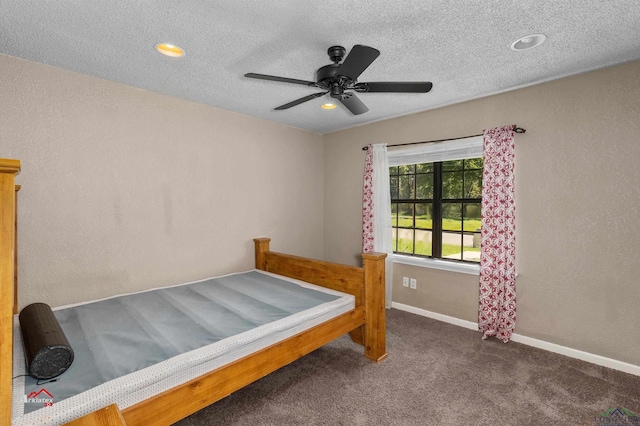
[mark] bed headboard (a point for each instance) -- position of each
(8, 170)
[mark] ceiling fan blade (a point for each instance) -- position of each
(357, 61)
(395, 87)
(299, 101)
(353, 104)
(281, 79)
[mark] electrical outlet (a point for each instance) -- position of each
(405, 281)
(413, 283)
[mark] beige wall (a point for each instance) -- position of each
(124, 189)
(578, 207)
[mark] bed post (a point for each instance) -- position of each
(15, 256)
(8, 170)
(262, 246)
(375, 329)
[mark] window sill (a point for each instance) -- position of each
(464, 268)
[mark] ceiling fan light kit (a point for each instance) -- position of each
(336, 78)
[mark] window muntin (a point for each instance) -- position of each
(435, 209)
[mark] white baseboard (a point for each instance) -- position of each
(529, 341)
(435, 316)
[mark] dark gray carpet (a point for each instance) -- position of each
(436, 374)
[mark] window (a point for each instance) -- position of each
(435, 209)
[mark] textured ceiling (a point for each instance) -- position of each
(463, 47)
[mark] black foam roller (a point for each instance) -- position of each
(47, 350)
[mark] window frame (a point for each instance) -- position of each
(458, 149)
(437, 170)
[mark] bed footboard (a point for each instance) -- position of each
(366, 284)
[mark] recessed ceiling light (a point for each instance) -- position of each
(328, 106)
(168, 49)
(528, 42)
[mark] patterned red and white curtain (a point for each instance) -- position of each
(367, 203)
(497, 308)
(376, 210)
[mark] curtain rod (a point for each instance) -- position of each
(515, 128)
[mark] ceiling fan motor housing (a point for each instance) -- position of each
(327, 75)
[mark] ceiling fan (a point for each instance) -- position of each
(337, 78)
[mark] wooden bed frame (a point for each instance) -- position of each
(366, 325)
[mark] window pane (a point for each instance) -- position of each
(393, 184)
(408, 169)
(405, 241)
(424, 168)
(393, 170)
(452, 165)
(452, 216)
(477, 239)
(405, 215)
(473, 184)
(423, 216)
(452, 245)
(451, 185)
(473, 163)
(394, 239)
(471, 247)
(471, 239)
(423, 243)
(424, 186)
(394, 214)
(406, 187)
(471, 256)
(472, 250)
(472, 217)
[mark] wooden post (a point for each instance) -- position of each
(8, 170)
(375, 330)
(15, 257)
(262, 246)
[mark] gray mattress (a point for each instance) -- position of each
(129, 348)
